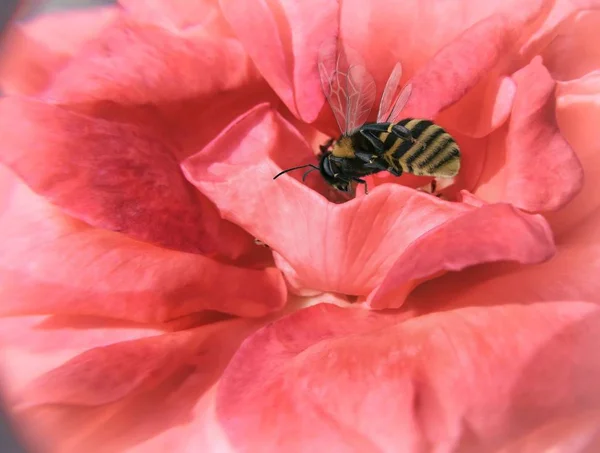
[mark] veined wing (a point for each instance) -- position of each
(349, 90)
(391, 105)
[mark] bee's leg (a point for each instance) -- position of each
(362, 181)
(325, 146)
(394, 171)
(372, 161)
(402, 132)
(371, 132)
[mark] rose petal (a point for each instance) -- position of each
(473, 379)
(133, 63)
(572, 54)
(35, 51)
(458, 67)
(491, 233)
(113, 176)
(51, 263)
(562, 34)
(541, 172)
(283, 38)
(106, 399)
(569, 276)
(345, 248)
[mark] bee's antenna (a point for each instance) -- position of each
(295, 168)
(306, 173)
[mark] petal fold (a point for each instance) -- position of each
(491, 233)
(578, 113)
(543, 173)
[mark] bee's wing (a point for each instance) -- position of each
(390, 106)
(349, 90)
(361, 92)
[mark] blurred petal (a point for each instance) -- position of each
(134, 63)
(541, 172)
(111, 175)
(283, 37)
(115, 276)
(34, 345)
(176, 14)
(34, 52)
(345, 248)
(126, 394)
(473, 379)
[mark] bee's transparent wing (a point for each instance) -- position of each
(349, 89)
(391, 106)
(389, 94)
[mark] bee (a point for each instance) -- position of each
(410, 145)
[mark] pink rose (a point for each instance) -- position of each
(139, 147)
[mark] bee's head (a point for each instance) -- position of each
(329, 171)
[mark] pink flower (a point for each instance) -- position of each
(139, 146)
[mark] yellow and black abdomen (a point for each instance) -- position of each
(433, 152)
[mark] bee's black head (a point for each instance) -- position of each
(329, 171)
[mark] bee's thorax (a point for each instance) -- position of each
(343, 147)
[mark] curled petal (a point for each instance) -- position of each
(111, 175)
(569, 276)
(347, 248)
(578, 114)
(116, 277)
(35, 52)
(458, 67)
(492, 233)
(544, 173)
(462, 379)
(283, 37)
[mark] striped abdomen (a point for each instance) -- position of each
(434, 153)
